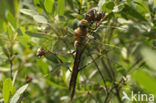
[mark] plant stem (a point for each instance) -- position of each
(11, 69)
(106, 69)
(106, 88)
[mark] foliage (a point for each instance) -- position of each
(37, 48)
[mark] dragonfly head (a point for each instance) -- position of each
(83, 24)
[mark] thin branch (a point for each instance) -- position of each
(56, 32)
(11, 64)
(106, 88)
(118, 94)
(106, 68)
(99, 23)
(136, 63)
(112, 88)
(11, 57)
(110, 66)
(83, 67)
(92, 96)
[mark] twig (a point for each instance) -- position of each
(106, 88)
(112, 70)
(133, 65)
(106, 68)
(115, 86)
(92, 96)
(99, 23)
(11, 57)
(56, 32)
(10, 61)
(83, 67)
(111, 89)
(108, 94)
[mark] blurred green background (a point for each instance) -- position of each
(120, 57)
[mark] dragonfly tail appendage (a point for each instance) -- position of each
(74, 85)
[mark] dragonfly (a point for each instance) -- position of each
(81, 40)
(80, 34)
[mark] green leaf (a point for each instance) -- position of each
(151, 5)
(19, 32)
(49, 5)
(66, 64)
(2, 24)
(28, 12)
(55, 85)
(145, 80)
(16, 96)
(52, 57)
(100, 4)
(130, 11)
(43, 66)
(37, 34)
(108, 6)
(58, 66)
(141, 5)
(14, 78)
(37, 5)
(2, 69)
(1, 100)
(7, 88)
(40, 19)
(5, 51)
(11, 19)
(61, 7)
(10, 32)
(70, 2)
(24, 40)
(41, 2)
(149, 57)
